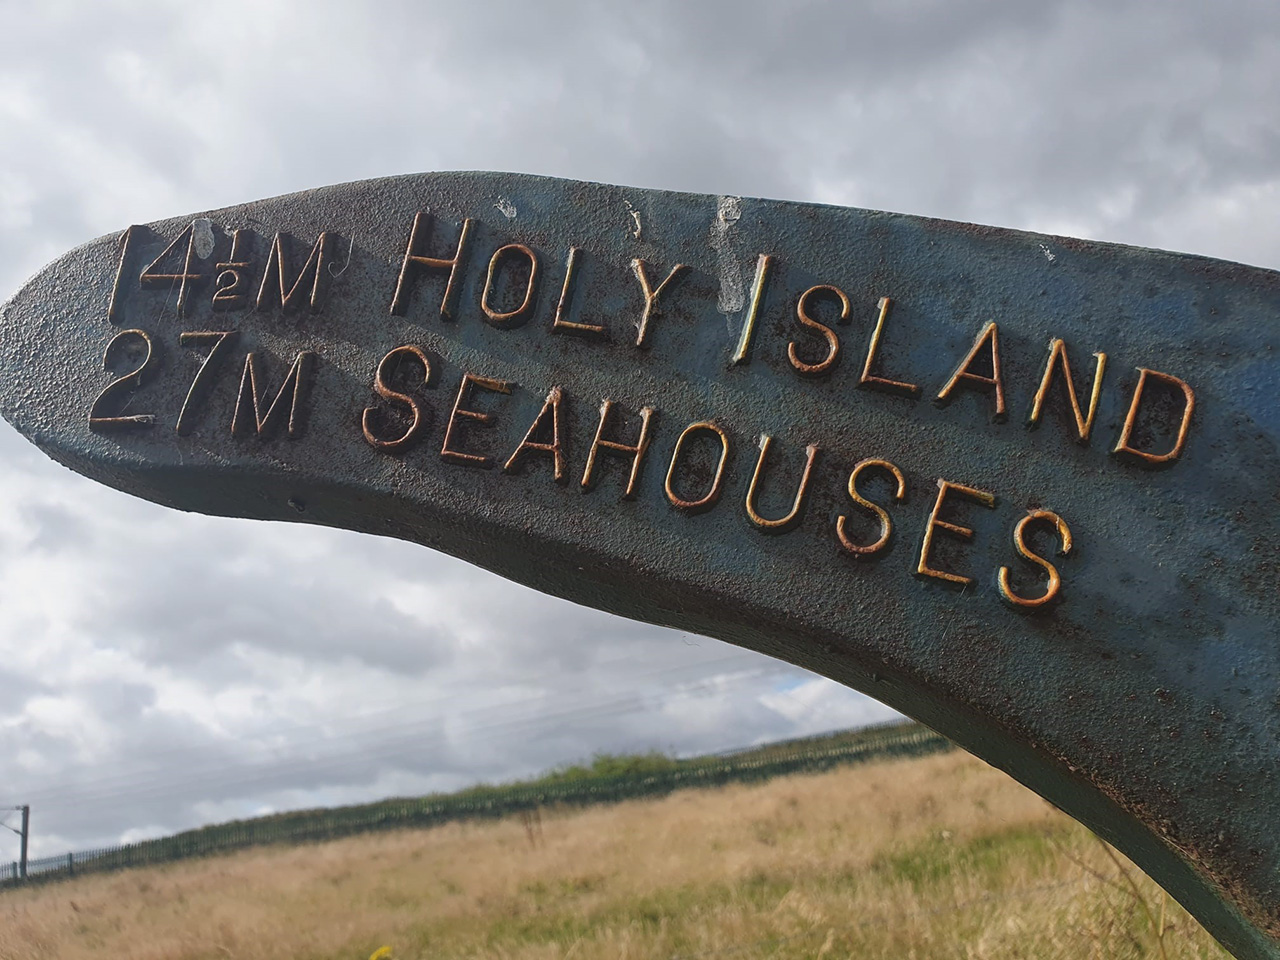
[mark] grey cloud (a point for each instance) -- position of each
(56, 528)
(190, 611)
(15, 688)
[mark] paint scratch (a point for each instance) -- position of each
(506, 208)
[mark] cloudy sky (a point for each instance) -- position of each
(134, 701)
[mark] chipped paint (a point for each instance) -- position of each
(733, 293)
(202, 241)
(635, 218)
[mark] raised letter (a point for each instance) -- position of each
(650, 295)
(870, 381)
(990, 335)
(202, 383)
(964, 533)
(833, 342)
(484, 383)
(782, 523)
(291, 299)
(558, 323)
(636, 452)
(707, 501)
(187, 281)
(1124, 448)
(107, 411)
(1020, 543)
(1084, 422)
(248, 412)
(555, 447)
(387, 368)
(503, 317)
(886, 524)
(742, 354)
(412, 259)
(113, 307)
(231, 286)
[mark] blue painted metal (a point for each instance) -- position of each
(1144, 702)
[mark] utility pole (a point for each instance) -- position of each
(23, 836)
(26, 833)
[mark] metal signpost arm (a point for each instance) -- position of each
(1020, 487)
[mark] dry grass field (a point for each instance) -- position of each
(935, 857)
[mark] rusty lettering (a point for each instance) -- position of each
(292, 295)
(1020, 544)
(990, 335)
(221, 342)
(554, 446)
(870, 381)
(743, 353)
(117, 287)
(558, 323)
(447, 450)
(934, 523)
(707, 500)
(414, 262)
(1124, 446)
(1058, 357)
(388, 368)
(503, 253)
(231, 282)
(635, 451)
(833, 341)
(185, 278)
(786, 522)
(651, 295)
(881, 543)
(108, 410)
(249, 418)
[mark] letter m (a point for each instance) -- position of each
(291, 296)
(249, 416)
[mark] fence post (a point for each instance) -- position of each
(71, 864)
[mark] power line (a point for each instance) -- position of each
(403, 745)
(460, 695)
(504, 716)
(143, 786)
(360, 731)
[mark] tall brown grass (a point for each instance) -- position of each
(936, 857)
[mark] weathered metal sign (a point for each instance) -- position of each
(1021, 487)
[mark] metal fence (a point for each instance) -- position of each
(763, 763)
